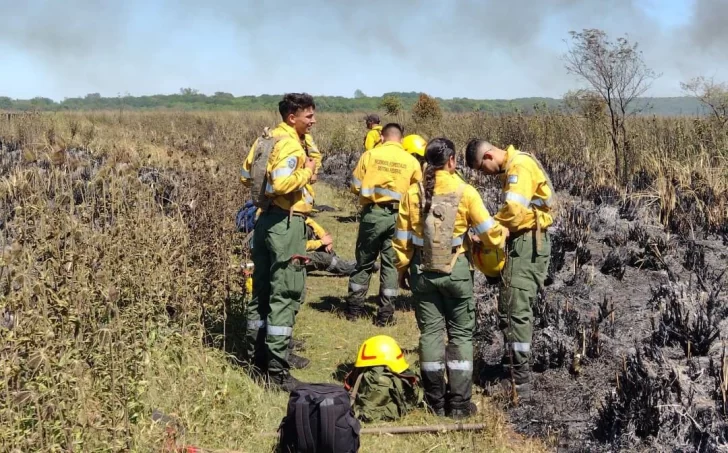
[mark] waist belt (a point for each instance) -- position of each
(278, 210)
(533, 231)
(393, 205)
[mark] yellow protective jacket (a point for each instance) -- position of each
(471, 214)
(319, 231)
(372, 139)
(527, 193)
(384, 174)
(288, 179)
(313, 152)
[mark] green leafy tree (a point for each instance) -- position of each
(391, 105)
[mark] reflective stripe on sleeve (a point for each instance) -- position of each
(281, 172)
(517, 198)
(485, 226)
(403, 235)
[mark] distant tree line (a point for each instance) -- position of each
(191, 99)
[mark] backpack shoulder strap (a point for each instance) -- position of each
(355, 390)
(303, 426)
(328, 422)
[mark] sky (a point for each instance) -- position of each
(484, 49)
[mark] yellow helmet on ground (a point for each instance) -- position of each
(414, 144)
(381, 350)
(489, 261)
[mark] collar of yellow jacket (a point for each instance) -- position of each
(510, 152)
(397, 144)
(289, 130)
(377, 128)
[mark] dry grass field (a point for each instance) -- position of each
(121, 291)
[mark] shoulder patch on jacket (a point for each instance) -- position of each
(512, 179)
(292, 161)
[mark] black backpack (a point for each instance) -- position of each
(319, 419)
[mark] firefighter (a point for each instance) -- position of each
(279, 241)
(320, 251)
(380, 178)
(374, 132)
(415, 145)
(432, 246)
(526, 213)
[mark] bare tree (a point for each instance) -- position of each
(616, 73)
(711, 94)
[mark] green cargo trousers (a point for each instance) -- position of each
(278, 288)
(376, 231)
(329, 262)
(523, 274)
(445, 307)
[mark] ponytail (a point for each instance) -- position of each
(427, 188)
(437, 153)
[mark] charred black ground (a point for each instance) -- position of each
(627, 350)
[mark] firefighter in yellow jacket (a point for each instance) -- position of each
(432, 245)
(279, 240)
(374, 132)
(380, 178)
(526, 212)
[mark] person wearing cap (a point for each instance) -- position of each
(527, 213)
(380, 178)
(374, 136)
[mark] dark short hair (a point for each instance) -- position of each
(471, 152)
(386, 130)
(293, 102)
(372, 118)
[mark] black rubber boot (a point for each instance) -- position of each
(504, 388)
(283, 381)
(459, 413)
(354, 312)
(384, 319)
(297, 345)
(297, 362)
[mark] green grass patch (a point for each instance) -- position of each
(222, 408)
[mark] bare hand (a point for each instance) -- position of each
(327, 239)
(314, 178)
(310, 164)
(329, 248)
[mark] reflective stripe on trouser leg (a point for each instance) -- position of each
(287, 282)
(460, 315)
(524, 273)
(257, 308)
(367, 251)
(518, 327)
(388, 275)
(431, 323)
